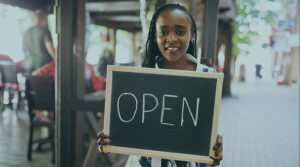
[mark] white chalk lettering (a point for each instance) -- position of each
(164, 108)
(195, 119)
(144, 105)
(118, 106)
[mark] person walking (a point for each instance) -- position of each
(37, 43)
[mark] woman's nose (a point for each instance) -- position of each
(171, 37)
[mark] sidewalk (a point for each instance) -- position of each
(260, 126)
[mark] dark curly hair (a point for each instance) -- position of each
(152, 52)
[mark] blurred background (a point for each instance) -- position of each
(257, 49)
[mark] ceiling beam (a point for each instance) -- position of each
(118, 13)
(110, 0)
(46, 5)
(128, 26)
(122, 18)
(113, 6)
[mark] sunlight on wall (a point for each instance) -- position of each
(95, 44)
(124, 51)
(14, 21)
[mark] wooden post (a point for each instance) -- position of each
(64, 117)
(113, 38)
(228, 56)
(79, 79)
(210, 32)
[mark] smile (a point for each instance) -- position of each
(172, 50)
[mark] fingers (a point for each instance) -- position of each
(99, 134)
(220, 139)
(103, 138)
(213, 164)
(216, 158)
(102, 135)
(219, 142)
(104, 141)
(216, 161)
(100, 148)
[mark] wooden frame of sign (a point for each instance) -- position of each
(145, 149)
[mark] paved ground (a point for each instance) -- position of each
(14, 139)
(260, 126)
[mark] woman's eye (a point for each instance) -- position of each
(180, 32)
(163, 33)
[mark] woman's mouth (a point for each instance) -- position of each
(172, 49)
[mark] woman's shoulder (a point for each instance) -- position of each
(200, 67)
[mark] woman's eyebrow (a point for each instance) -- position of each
(161, 27)
(180, 26)
(176, 26)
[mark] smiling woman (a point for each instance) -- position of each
(170, 45)
(173, 34)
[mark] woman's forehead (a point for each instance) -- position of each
(173, 17)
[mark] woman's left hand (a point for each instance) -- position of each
(218, 152)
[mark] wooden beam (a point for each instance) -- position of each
(109, 0)
(122, 18)
(92, 124)
(113, 6)
(209, 33)
(114, 43)
(46, 5)
(115, 13)
(91, 155)
(128, 26)
(65, 119)
(95, 105)
(78, 81)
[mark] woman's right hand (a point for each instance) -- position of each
(103, 140)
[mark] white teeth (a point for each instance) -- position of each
(172, 48)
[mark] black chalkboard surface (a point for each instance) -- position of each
(168, 114)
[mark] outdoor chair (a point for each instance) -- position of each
(40, 95)
(9, 82)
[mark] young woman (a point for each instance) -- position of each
(171, 44)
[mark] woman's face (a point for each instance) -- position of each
(173, 34)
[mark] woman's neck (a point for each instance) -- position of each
(181, 64)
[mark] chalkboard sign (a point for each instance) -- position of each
(170, 114)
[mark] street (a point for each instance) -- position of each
(260, 125)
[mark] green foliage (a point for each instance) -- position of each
(248, 10)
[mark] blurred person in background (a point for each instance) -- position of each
(258, 68)
(37, 43)
(4, 57)
(242, 73)
(92, 82)
(106, 57)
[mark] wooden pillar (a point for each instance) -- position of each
(228, 55)
(134, 49)
(220, 38)
(64, 117)
(210, 32)
(114, 43)
(78, 68)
